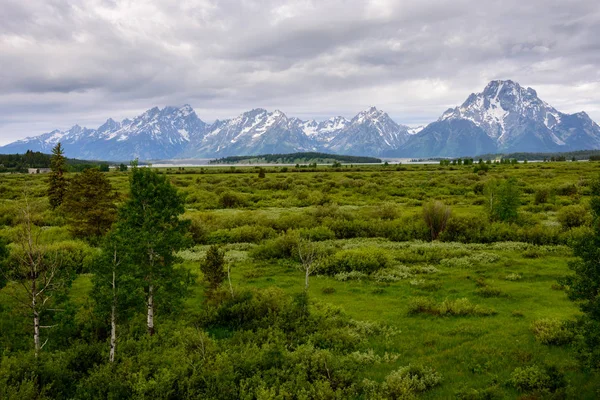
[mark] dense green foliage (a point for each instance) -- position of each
(296, 158)
(584, 284)
(21, 162)
(504, 200)
(475, 314)
(57, 182)
(150, 229)
(89, 204)
(213, 267)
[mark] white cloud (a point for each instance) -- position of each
(86, 60)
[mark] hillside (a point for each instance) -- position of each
(296, 158)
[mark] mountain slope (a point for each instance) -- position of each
(153, 135)
(504, 117)
(451, 138)
(254, 132)
(371, 132)
(513, 117)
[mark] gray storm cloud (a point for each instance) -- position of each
(83, 61)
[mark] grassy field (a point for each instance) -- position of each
(507, 272)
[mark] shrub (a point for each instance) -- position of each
(504, 200)
(231, 200)
(542, 195)
(241, 234)
(513, 277)
(328, 290)
(488, 393)
(458, 307)
(317, 234)
(407, 381)
(551, 331)
(568, 189)
(573, 216)
(279, 248)
(388, 211)
(393, 274)
(436, 215)
(489, 291)
(366, 260)
(350, 276)
(198, 231)
(465, 229)
(537, 379)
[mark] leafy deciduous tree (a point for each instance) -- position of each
(116, 293)
(504, 200)
(36, 272)
(309, 259)
(584, 285)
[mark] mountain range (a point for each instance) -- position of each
(505, 117)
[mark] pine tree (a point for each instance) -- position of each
(57, 182)
(152, 232)
(213, 268)
(90, 204)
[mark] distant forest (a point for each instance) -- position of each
(296, 158)
(593, 155)
(36, 159)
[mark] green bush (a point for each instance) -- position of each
(504, 200)
(465, 229)
(567, 189)
(573, 216)
(489, 291)
(231, 200)
(458, 307)
(241, 234)
(542, 195)
(551, 331)
(406, 382)
(366, 260)
(281, 247)
(317, 234)
(436, 215)
(537, 379)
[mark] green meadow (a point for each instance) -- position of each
(465, 311)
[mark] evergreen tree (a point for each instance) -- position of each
(152, 232)
(584, 286)
(213, 268)
(57, 182)
(90, 204)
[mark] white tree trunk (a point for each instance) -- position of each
(33, 277)
(307, 271)
(150, 311)
(113, 322)
(229, 279)
(36, 329)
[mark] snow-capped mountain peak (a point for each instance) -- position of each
(515, 119)
(503, 117)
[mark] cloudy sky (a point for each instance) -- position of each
(81, 61)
